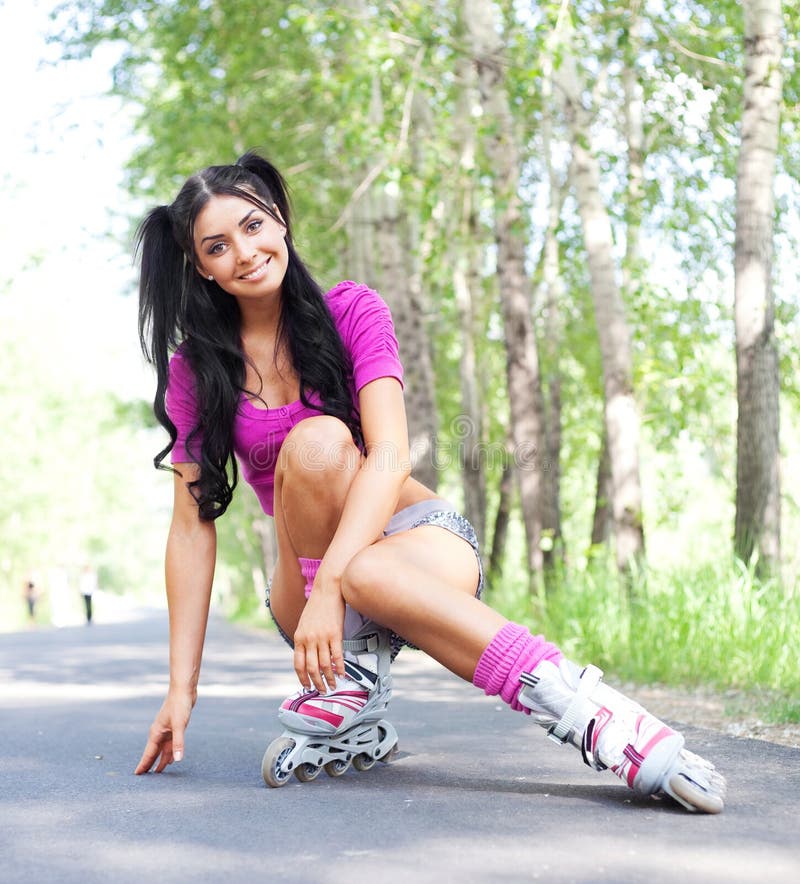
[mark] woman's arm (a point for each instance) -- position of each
(371, 501)
(190, 559)
(374, 493)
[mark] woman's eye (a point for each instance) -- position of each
(254, 225)
(216, 249)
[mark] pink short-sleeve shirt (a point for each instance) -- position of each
(365, 325)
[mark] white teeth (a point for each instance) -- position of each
(258, 271)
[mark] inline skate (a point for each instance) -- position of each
(612, 732)
(342, 727)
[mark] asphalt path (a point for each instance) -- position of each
(476, 794)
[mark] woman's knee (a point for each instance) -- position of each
(318, 446)
(368, 573)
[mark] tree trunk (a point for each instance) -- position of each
(522, 358)
(501, 520)
(470, 428)
(552, 296)
(757, 528)
(634, 138)
(621, 415)
(380, 249)
(409, 319)
(466, 283)
(601, 522)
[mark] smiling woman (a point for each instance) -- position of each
(369, 559)
(249, 254)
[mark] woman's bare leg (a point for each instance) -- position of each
(421, 583)
(316, 465)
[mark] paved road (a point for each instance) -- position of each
(477, 794)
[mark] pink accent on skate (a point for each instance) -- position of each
(323, 707)
(628, 769)
(512, 651)
(309, 568)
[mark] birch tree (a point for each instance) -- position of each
(621, 414)
(551, 294)
(378, 224)
(524, 384)
(757, 528)
(465, 262)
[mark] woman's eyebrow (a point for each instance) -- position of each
(222, 235)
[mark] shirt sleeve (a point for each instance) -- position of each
(181, 404)
(367, 330)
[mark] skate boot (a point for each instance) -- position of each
(614, 732)
(343, 726)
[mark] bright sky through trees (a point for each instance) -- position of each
(62, 152)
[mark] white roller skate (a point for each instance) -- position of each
(344, 726)
(614, 732)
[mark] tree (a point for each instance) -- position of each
(757, 527)
(524, 384)
(621, 413)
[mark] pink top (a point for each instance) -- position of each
(365, 326)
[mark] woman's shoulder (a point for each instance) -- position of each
(180, 369)
(348, 295)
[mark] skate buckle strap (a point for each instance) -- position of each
(562, 730)
(361, 645)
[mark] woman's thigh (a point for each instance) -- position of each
(422, 585)
(407, 567)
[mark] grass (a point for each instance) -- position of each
(712, 625)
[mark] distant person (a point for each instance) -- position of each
(87, 584)
(260, 370)
(31, 594)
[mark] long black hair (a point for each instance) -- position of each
(178, 306)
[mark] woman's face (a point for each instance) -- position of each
(241, 246)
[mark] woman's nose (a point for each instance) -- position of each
(244, 252)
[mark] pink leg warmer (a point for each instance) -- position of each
(309, 568)
(512, 651)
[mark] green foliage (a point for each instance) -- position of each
(716, 624)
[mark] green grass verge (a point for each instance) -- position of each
(714, 625)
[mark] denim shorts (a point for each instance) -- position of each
(426, 512)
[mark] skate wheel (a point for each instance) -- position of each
(273, 759)
(306, 772)
(337, 767)
(694, 797)
(390, 755)
(363, 762)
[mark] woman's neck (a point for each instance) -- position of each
(259, 319)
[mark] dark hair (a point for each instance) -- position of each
(178, 306)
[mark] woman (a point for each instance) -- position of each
(303, 391)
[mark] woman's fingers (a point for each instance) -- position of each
(300, 665)
(317, 665)
(326, 667)
(165, 740)
(149, 755)
(337, 657)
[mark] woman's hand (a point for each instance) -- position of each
(166, 732)
(318, 639)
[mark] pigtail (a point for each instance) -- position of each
(162, 286)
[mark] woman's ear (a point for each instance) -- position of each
(202, 272)
(277, 213)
